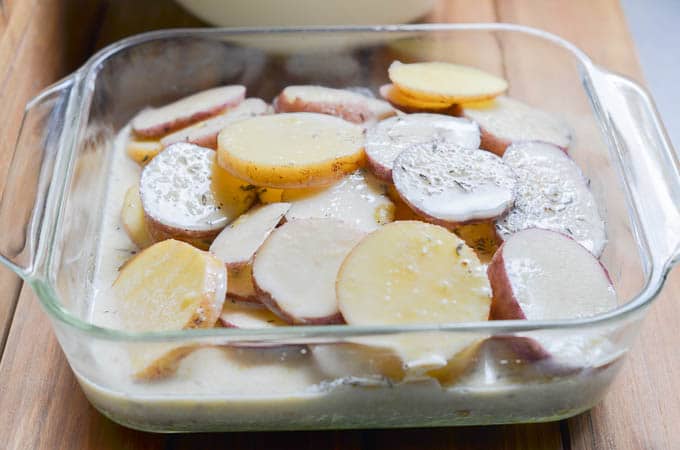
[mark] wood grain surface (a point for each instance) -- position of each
(41, 405)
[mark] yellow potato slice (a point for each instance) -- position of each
(132, 217)
(269, 195)
(397, 97)
(142, 152)
(168, 286)
(481, 237)
(412, 272)
(291, 150)
(445, 82)
(343, 360)
(237, 314)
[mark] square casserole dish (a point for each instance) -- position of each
(52, 216)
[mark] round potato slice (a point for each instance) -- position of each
(452, 185)
(506, 120)
(543, 275)
(347, 360)
(205, 133)
(236, 244)
(168, 286)
(295, 270)
(413, 272)
(291, 150)
(156, 122)
(186, 196)
(132, 217)
(245, 315)
(445, 82)
(386, 140)
(358, 199)
(402, 100)
(343, 103)
(142, 152)
(553, 194)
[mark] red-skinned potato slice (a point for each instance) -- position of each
(387, 139)
(543, 275)
(132, 218)
(445, 82)
(295, 269)
(408, 104)
(346, 104)
(168, 286)
(366, 363)
(358, 199)
(506, 120)
(142, 152)
(157, 122)
(236, 314)
(205, 133)
(291, 150)
(407, 260)
(453, 186)
(186, 196)
(551, 193)
(241, 286)
(237, 243)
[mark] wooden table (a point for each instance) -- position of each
(42, 407)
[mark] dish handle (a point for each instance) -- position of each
(23, 204)
(647, 162)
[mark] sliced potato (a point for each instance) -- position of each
(269, 195)
(168, 286)
(506, 120)
(344, 360)
(142, 152)
(157, 122)
(132, 217)
(291, 150)
(544, 275)
(186, 196)
(358, 199)
(409, 104)
(238, 315)
(241, 286)
(445, 82)
(205, 133)
(412, 272)
(452, 185)
(401, 210)
(481, 237)
(237, 243)
(552, 193)
(346, 104)
(295, 270)
(387, 139)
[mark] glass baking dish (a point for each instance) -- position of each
(52, 213)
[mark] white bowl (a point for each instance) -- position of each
(251, 13)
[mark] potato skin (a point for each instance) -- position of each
(160, 232)
(351, 113)
(157, 131)
(504, 304)
(493, 143)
